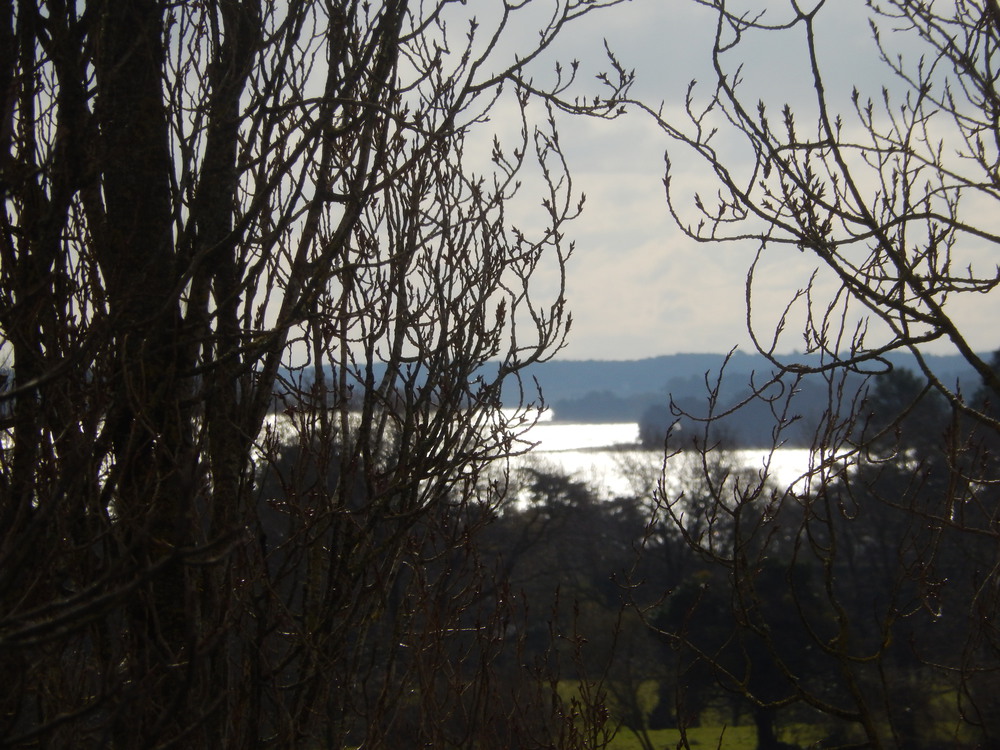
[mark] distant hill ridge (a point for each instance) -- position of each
(627, 390)
(567, 379)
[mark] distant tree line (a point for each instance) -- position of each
(819, 613)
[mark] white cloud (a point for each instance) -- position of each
(637, 286)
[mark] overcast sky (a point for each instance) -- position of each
(636, 286)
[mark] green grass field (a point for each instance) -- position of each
(731, 738)
(939, 721)
(723, 738)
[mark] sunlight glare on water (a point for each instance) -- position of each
(599, 454)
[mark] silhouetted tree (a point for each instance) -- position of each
(654, 426)
(208, 206)
(896, 519)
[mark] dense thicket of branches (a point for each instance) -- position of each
(211, 205)
(253, 264)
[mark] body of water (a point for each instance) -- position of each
(607, 456)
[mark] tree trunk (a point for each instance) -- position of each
(763, 718)
(146, 422)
